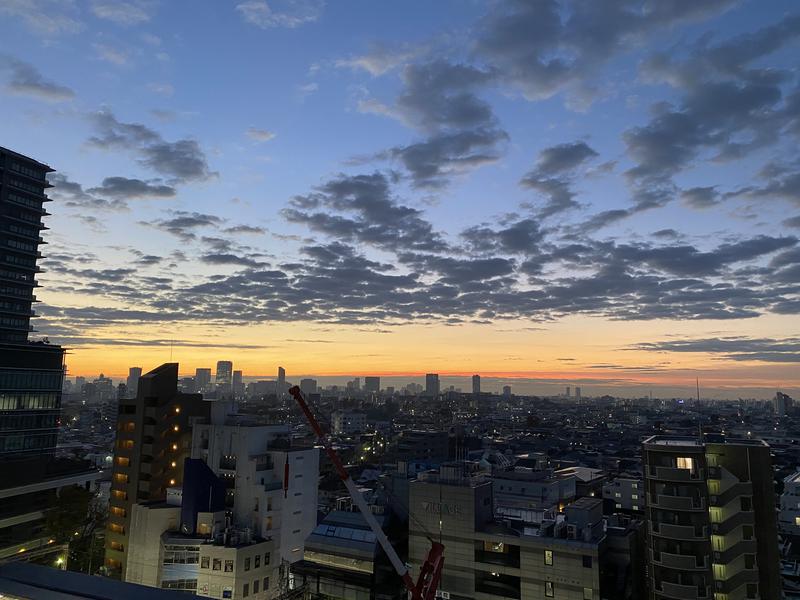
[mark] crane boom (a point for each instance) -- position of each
(431, 571)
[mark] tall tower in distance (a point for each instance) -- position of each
(202, 380)
(432, 385)
(134, 373)
(476, 385)
(224, 379)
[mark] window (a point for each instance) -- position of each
(548, 589)
(257, 564)
(229, 566)
(247, 564)
(797, 521)
(617, 495)
(747, 503)
(588, 594)
(217, 564)
(635, 507)
(684, 462)
(245, 590)
(255, 586)
(204, 560)
(266, 583)
(747, 532)
(634, 496)
(749, 561)
(123, 461)
(227, 593)
(266, 560)
(548, 557)
(587, 561)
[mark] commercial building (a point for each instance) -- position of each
(132, 383)
(624, 493)
(476, 385)
(308, 386)
(489, 558)
(422, 445)
(432, 385)
(224, 380)
(153, 438)
(202, 380)
(348, 422)
(528, 489)
(31, 373)
(781, 403)
(711, 519)
(372, 384)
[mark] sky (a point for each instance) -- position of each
(548, 192)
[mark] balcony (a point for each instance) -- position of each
(682, 592)
(741, 517)
(667, 502)
(741, 578)
(679, 532)
(680, 562)
(736, 490)
(675, 474)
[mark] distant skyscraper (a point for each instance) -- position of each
(432, 384)
(711, 518)
(202, 380)
(224, 375)
(281, 378)
(567, 393)
(372, 384)
(238, 384)
(134, 373)
(781, 403)
(476, 384)
(506, 391)
(308, 386)
(578, 393)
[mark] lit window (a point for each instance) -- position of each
(634, 496)
(635, 507)
(120, 478)
(123, 461)
(548, 589)
(548, 557)
(797, 521)
(685, 462)
(617, 495)
(587, 594)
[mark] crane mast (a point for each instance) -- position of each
(431, 570)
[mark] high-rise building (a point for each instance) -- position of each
(432, 385)
(224, 379)
(308, 386)
(476, 385)
(781, 404)
(578, 393)
(202, 380)
(134, 373)
(567, 392)
(31, 373)
(238, 384)
(789, 516)
(153, 439)
(507, 391)
(372, 384)
(712, 530)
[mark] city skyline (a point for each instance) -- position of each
(641, 223)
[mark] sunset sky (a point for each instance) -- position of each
(547, 192)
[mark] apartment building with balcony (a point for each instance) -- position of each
(712, 530)
(154, 433)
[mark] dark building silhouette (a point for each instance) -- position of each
(153, 440)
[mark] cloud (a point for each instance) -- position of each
(165, 89)
(554, 174)
(26, 80)
(121, 13)
(245, 229)
(183, 224)
(128, 189)
(542, 48)
(701, 197)
(110, 54)
(47, 17)
(289, 13)
(792, 222)
(228, 259)
(380, 58)
(183, 160)
(737, 348)
(260, 135)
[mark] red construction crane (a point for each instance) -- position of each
(431, 571)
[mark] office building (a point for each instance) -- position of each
(476, 385)
(781, 404)
(154, 432)
(506, 391)
(224, 379)
(348, 422)
(531, 490)
(567, 392)
(308, 386)
(238, 384)
(432, 385)
(422, 445)
(372, 384)
(132, 383)
(578, 396)
(556, 557)
(31, 373)
(202, 380)
(712, 530)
